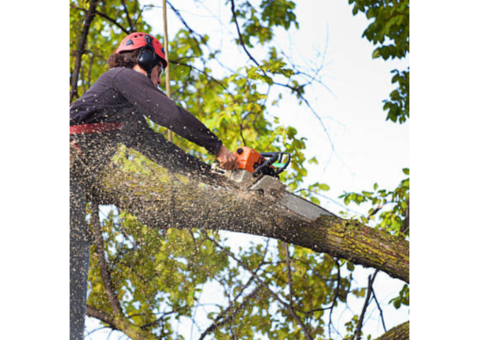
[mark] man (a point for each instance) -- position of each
(129, 91)
(113, 111)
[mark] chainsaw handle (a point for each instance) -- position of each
(274, 156)
(282, 169)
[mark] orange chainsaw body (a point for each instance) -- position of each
(248, 159)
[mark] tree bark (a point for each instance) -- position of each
(400, 332)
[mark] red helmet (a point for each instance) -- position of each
(136, 40)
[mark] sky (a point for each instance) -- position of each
(366, 149)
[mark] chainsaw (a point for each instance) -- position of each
(258, 173)
(265, 163)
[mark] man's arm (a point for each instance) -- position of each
(139, 91)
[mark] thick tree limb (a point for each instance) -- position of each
(199, 206)
(359, 244)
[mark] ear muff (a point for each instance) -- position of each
(147, 59)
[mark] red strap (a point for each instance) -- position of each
(92, 128)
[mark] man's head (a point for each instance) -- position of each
(141, 50)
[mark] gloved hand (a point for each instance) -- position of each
(227, 159)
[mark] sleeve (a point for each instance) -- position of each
(139, 91)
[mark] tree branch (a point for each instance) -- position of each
(334, 300)
(90, 15)
(380, 309)
(102, 262)
(230, 310)
(289, 271)
(115, 22)
(128, 16)
(102, 316)
(120, 324)
(216, 323)
(181, 18)
(241, 39)
(406, 225)
(103, 15)
(365, 305)
(265, 285)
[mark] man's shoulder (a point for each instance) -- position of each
(114, 72)
(124, 72)
(124, 75)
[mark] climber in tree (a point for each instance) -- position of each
(113, 111)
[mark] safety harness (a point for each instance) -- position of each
(94, 128)
(91, 128)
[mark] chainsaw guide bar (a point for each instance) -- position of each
(270, 189)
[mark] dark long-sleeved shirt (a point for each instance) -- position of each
(123, 94)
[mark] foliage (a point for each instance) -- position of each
(390, 32)
(259, 21)
(392, 219)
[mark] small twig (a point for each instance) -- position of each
(376, 210)
(334, 300)
(371, 278)
(289, 271)
(128, 15)
(177, 62)
(380, 309)
(103, 15)
(242, 42)
(181, 18)
(232, 311)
